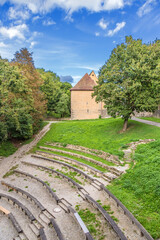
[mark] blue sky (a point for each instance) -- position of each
(72, 37)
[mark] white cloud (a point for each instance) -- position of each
(146, 8)
(48, 22)
(69, 6)
(95, 68)
(3, 45)
(33, 44)
(118, 27)
(36, 18)
(14, 31)
(97, 34)
(15, 13)
(103, 24)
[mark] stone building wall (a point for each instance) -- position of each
(83, 106)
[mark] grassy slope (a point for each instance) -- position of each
(154, 119)
(8, 148)
(139, 189)
(100, 134)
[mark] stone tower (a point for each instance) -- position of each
(83, 106)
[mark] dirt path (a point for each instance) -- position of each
(7, 163)
(146, 121)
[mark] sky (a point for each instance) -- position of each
(74, 37)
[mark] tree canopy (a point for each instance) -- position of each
(15, 103)
(130, 80)
(27, 94)
(24, 61)
(57, 94)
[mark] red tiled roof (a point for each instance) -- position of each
(85, 84)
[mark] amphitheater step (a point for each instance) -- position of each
(94, 152)
(34, 229)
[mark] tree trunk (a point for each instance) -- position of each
(125, 125)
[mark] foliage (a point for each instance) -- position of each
(3, 131)
(56, 93)
(129, 81)
(24, 92)
(24, 61)
(15, 103)
(7, 148)
(139, 188)
(63, 105)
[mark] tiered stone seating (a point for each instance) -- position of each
(94, 179)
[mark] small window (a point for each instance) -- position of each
(87, 110)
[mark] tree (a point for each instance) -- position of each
(51, 88)
(63, 105)
(57, 94)
(130, 80)
(15, 103)
(24, 61)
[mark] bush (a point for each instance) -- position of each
(20, 125)
(54, 115)
(3, 131)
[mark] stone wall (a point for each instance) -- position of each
(157, 114)
(149, 114)
(143, 114)
(83, 106)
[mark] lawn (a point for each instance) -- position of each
(139, 188)
(102, 134)
(153, 119)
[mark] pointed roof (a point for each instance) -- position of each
(85, 84)
(93, 76)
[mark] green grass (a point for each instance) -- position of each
(101, 134)
(92, 222)
(71, 175)
(7, 148)
(78, 159)
(11, 171)
(153, 119)
(83, 154)
(139, 188)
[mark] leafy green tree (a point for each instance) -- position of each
(63, 105)
(56, 93)
(51, 88)
(130, 80)
(15, 103)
